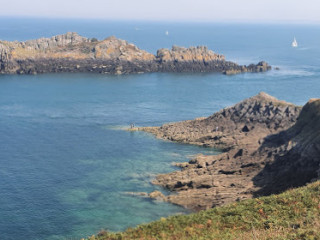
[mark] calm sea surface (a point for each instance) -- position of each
(65, 161)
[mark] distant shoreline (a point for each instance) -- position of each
(71, 52)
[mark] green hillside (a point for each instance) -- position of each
(294, 214)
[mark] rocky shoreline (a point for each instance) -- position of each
(71, 52)
(268, 146)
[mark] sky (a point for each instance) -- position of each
(295, 11)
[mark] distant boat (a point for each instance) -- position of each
(167, 33)
(294, 43)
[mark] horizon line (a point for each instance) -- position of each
(227, 21)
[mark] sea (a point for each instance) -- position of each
(69, 168)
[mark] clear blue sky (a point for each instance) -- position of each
(297, 11)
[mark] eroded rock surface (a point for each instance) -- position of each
(71, 52)
(268, 146)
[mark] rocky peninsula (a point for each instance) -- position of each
(71, 52)
(267, 146)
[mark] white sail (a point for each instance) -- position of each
(294, 43)
(167, 33)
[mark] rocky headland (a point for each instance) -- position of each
(267, 146)
(71, 52)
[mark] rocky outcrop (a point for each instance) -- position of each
(259, 113)
(113, 48)
(71, 52)
(260, 67)
(267, 146)
(157, 195)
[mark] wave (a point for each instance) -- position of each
(303, 48)
(117, 127)
(244, 60)
(285, 71)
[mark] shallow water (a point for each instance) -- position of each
(66, 162)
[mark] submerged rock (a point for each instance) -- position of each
(137, 194)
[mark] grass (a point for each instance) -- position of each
(294, 214)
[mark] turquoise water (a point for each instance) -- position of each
(66, 163)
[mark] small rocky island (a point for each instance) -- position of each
(267, 146)
(71, 52)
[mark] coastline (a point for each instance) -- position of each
(261, 140)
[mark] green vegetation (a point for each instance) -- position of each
(294, 214)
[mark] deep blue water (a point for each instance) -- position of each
(65, 160)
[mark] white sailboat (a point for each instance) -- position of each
(167, 33)
(294, 43)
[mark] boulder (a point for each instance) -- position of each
(157, 195)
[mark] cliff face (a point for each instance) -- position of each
(293, 155)
(268, 146)
(71, 52)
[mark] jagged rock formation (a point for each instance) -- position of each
(71, 52)
(265, 150)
